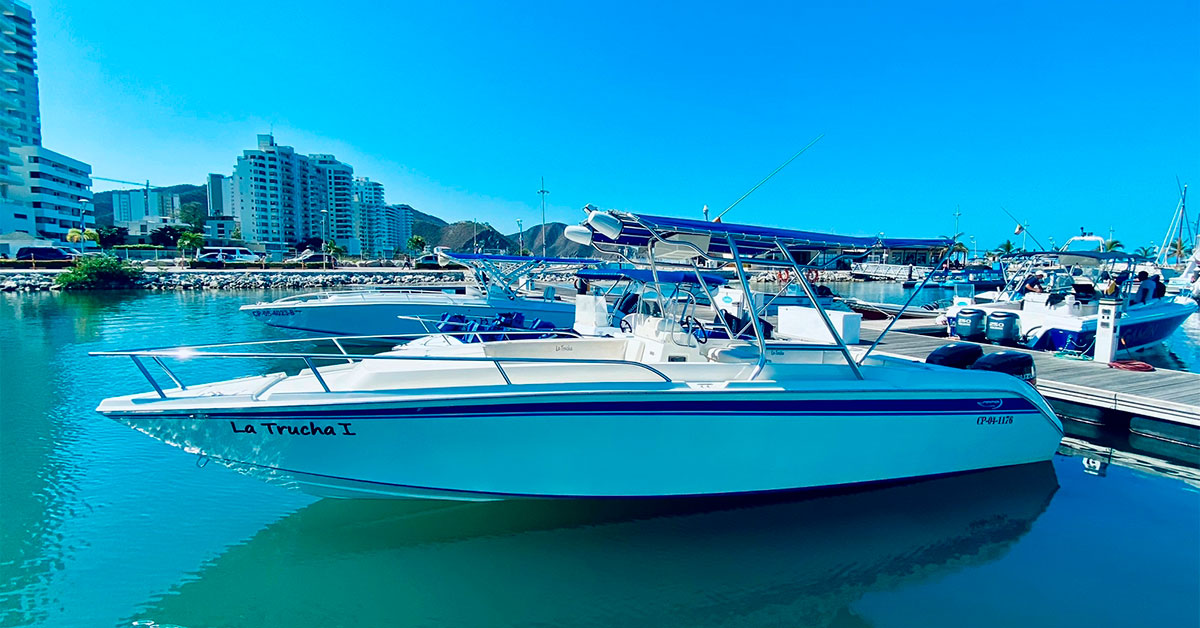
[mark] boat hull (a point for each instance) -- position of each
(1135, 334)
(379, 319)
(614, 445)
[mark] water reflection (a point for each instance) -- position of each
(693, 562)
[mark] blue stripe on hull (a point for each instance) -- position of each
(793, 407)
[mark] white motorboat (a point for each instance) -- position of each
(665, 409)
(1064, 317)
(501, 286)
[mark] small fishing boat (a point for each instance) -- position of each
(501, 284)
(875, 310)
(664, 409)
(1065, 315)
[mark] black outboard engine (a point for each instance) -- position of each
(970, 324)
(1003, 328)
(1015, 363)
(956, 355)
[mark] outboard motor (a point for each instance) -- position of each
(1003, 328)
(970, 324)
(957, 355)
(1015, 363)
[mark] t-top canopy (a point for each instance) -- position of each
(622, 228)
(520, 259)
(645, 276)
(1098, 256)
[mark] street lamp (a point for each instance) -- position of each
(974, 248)
(83, 203)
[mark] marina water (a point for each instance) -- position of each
(101, 526)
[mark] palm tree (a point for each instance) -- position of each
(334, 249)
(1179, 250)
(1113, 245)
(1146, 251)
(189, 240)
(416, 244)
(1006, 247)
(75, 235)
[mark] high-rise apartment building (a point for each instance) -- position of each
(57, 188)
(220, 195)
(367, 203)
(142, 211)
(20, 97)
(336, 196)
(272, 196)
(42, 193)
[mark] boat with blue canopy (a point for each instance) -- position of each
(661, 409)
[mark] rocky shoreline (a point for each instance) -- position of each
(32, 281)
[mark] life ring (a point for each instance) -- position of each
(812, 275)
(783, 275)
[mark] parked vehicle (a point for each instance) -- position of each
(435, 261)
(312, 257)
(46, 253)
(230, 253)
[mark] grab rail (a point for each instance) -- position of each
(309, 359)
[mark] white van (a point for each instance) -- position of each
(231, 253)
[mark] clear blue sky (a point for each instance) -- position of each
(1069, 114)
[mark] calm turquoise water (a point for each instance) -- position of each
(101, 526)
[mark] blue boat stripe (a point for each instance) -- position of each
(796, 407)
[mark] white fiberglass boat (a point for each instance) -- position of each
(666, 409)
(501, 287)
(1065, 316)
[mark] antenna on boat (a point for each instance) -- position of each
(1024, 228)
(768, 177)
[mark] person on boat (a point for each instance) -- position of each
(1033, 283)
(1160, 288)
(1146, 286)
(1108, 287)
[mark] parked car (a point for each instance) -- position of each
(231, 254)
(431, 262)
(45, 253)
(212, 257)
(312, 257)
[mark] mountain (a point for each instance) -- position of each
(463, 236)
(557, 245)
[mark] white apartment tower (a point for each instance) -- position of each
(41, 192)
(21, 106)
(336, 197)
(271, 195)
(58, 190)
(367, 205)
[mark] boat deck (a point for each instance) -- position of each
(1162, 394)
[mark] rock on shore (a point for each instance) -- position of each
(253, 280)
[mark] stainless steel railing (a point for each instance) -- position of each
(310, 358)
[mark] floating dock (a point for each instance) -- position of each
(1161, 404)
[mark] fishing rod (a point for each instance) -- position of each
(1024, 229)
(768, 178)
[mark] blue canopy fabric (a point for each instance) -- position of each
(750, 239)
(581, 261)
(645, 276)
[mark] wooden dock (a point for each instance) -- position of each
(1162, 394)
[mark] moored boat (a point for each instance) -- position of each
(665, 409)
(501, 286)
